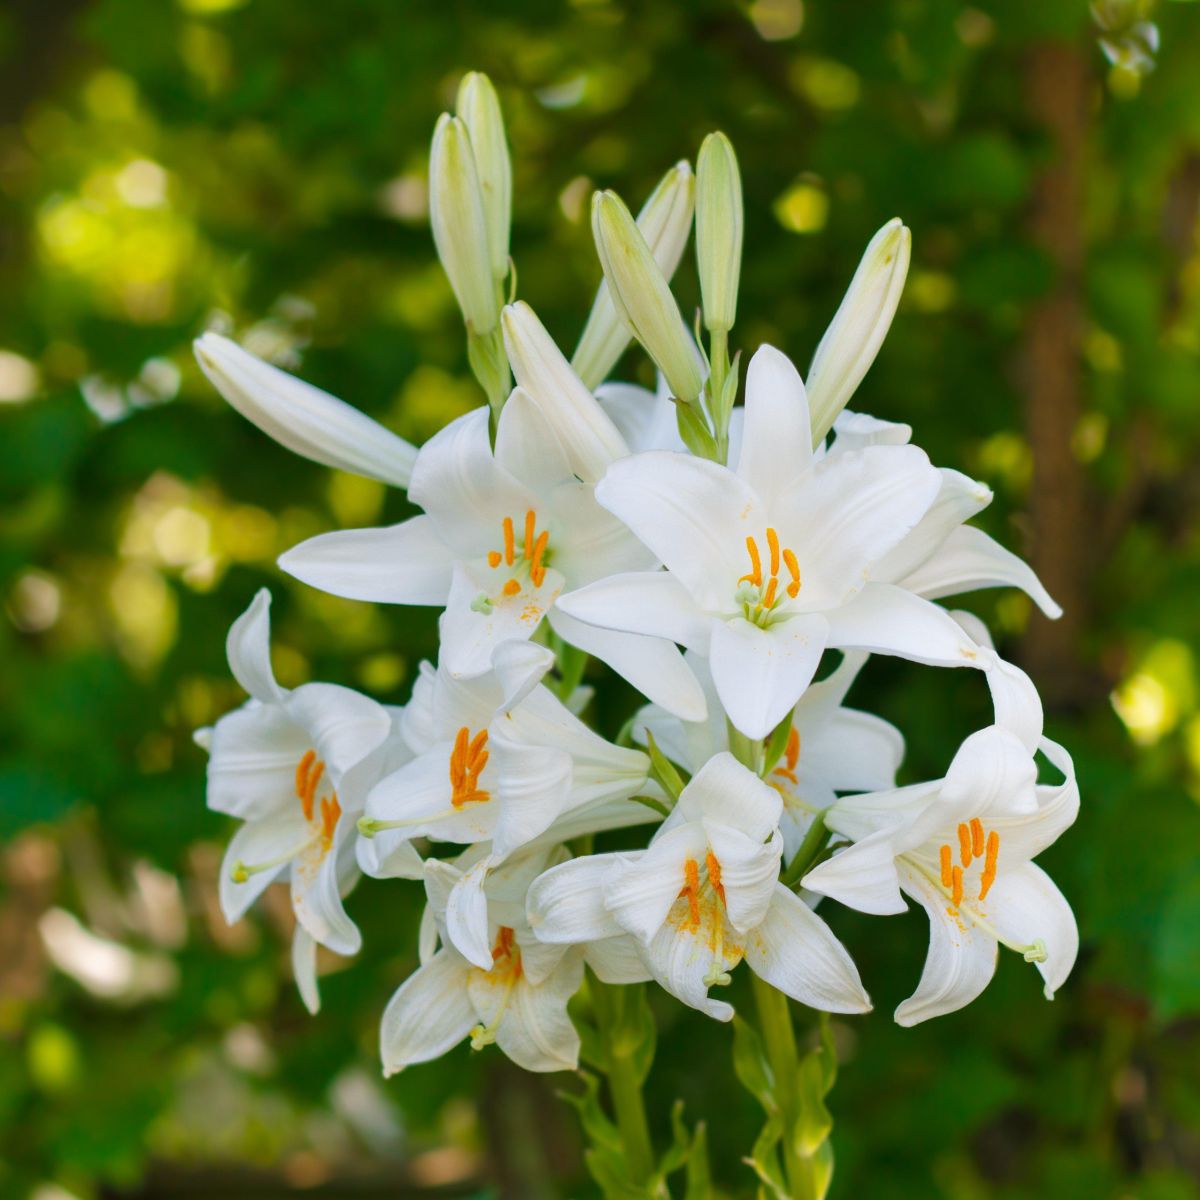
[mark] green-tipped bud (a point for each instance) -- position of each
(479, 109)
(459, 228)
(665, 221)
(857, 331)
(642, 296)
(719, 224)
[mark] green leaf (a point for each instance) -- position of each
(764, 1160)
(30, 795)
(663, 770)
(751, 1066)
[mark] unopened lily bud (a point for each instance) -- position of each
(459, 228)
(858, 328)
(479, 109)
(665, 221)
(719, 224)
(642, 296)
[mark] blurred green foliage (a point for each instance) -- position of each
(258, 166)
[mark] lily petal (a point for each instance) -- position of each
(304, 968)
(653, 603)
(961, 959)
(566, 903)
(1025, 906)
(252, 761)
(248, 648)
(725, 792)
(862, 876)
(761, 673)
(344, 725)
(749, 872)
(617, 960)
(407, 563)
(306, 420)
(777, 436)
(641, 889)
(258, 842)
(535, 1030)
(683, 957)
(796, 952)
(428, 1014)
(534, 782)
(886, 619)
(317, 898)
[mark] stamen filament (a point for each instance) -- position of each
(242, 871)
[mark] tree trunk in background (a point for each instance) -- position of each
(1057, 83)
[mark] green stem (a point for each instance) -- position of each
(779, 1040)
(718, 371)
(813, 844)
(611, 1003)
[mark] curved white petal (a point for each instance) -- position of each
(727, 793)
(248, 648)
(749, 872)
(467, 915)
(535, 1030)
(853, 751)
(993, 774)
(520, 666)
(641, 888)
(969, 560)
(254, 752)
(528, 446)
(796, 952)
(958, 499)
(886, 619)
(862, 876)
(1024, 906)
(407, 563)
(845, 514)
(652, 665)
(761, 673)
(682, 956)
(258, 842)
(304, 968)
(583, 427)
(428, 1014)
(1024, 835)
(587, 542)
(693, 514)
(777, 435)
(961, 959)
(855, 430)
(646, 419)
(344, 725)
(617, 960)
(653, 603)
(303, 418)
(533, 784)
(566, 903)
(317, 898)
(470, 636)
(464, 490)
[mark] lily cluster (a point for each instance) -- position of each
(736, 564)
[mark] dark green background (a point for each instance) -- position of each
(1049, 343)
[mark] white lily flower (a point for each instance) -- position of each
(703, 896)
(770, 564)
(517, 998)
(504, 532)
(962, 848)
(495, 768)
(830, 748)
(306, 420)
(294, 766)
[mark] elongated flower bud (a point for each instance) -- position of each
(479, 109)
(459, 227)
(303, 418)
(567, 405)
(642, 296)
(719, 224)
(665, 221)
(853, 338)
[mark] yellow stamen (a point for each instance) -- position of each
(956, 884)
(769, 595)
(793, 588)
(509, 542)
(331, 810)
(964, 844)
(989, 865)
(302, 769)
(976, 837)
(947, 877)
(467, 760)
(714, 874)
(536, 571)
(530, 525)
(691, 889)
(494, 557)
(511, 588)
(755, 576)
(773, 544)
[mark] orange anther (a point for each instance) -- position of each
(302, 769)
(530, 526)
(755, 576)
(691, 889)
(511, 588)
(494, 557)
(976, 837)
(458, 758)
(964, 844)
(769, 596)
(467, 760)
(956, 886)
(331, 810)
(792, 753)
(773, 544)
(989, 865)
(947, 877)
(714, 874)
(789, 558)
(509, 542)
(310, 789)
(536, 571)
(477, 745)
